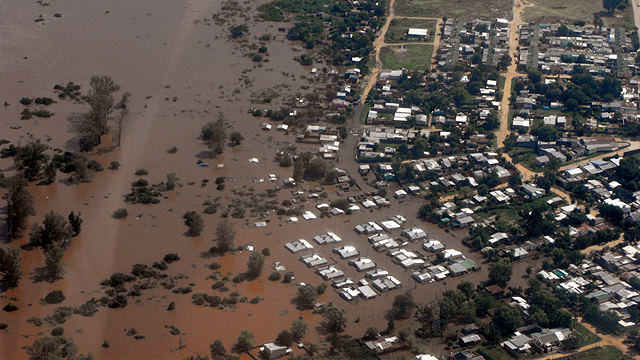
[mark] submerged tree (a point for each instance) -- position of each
(54, 229)
(10, 266)
(53, 260)
(55, 347)
(92, 125)
(245, 341)
(255, 264)
(20, 204)
(214, 135)
(31, 159)
(225, 234)
(195, 223)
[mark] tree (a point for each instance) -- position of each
(284, 338)
(76, 223)
(50, 172)
(372, 333)
(563, 30)
(55, 348)
(238, 31)
(120, 119)
(317, 168)
(298, 169)
(507, 319)
(172, 181)
(467, 288)
(307, 296)
(611, 5)
(195, 223)
(54, 229)
(255, 264)
(335, 318)
(91, 125)
(10, 266)
(53, 260)
(217, 350)
(298, 329)
(403, 305)
(31, 158)
(236, 137)
(505, 62)
(245, 341)
(20, 204)
(81, 167)
(214, 135)
(500, 272)
(225, 234)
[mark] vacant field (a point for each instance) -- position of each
(598, 353)
(399, 26)
(410, 57)
(573, 10)
(587, 336)
(465, 9)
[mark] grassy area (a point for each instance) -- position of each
(410, 57)
(573, 10)
(526, 157)
(587, 336)
(496, 352)
(502, 80)
(365, 112)
(465, 9)
(597, 353)
(398, 30)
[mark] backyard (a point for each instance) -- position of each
(399, 26)
(574, 10)
(465, 9)
(410, 57)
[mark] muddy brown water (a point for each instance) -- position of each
(164, 49)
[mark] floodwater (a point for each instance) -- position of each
(181, 70)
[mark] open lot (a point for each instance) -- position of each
(597, 353)
(587, 336)
(573, 10)
(410, 57)
(466, 9)
(399, 26)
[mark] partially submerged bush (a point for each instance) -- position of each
(120, 213)
(54, 297)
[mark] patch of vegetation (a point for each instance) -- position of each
(410, 57)
(10, 307)
(70, 90)
(142, 193)
(120, 213)
(55, 297)
(141, 172)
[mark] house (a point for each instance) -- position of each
(363, 264)
(272, 351)
(519, 343)
(386, 283)
(400, 194)
(433, 245)
(414, 234)
(313, 260)
(533, 191)
(346, 251)
(297, 246)
(469, 340)
(550, 340)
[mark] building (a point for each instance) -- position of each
(273, 351)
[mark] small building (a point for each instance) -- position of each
(272, 351)
(469, 340)
(421, 33)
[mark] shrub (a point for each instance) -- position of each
(255, 300)
(57, 331)
(275, 276)
(119, 301)
(215, 266)
(54, 297)
(141, 172)
(10, 307)
(262, 49)
(171, 257)
(120, 213)
(217, 285)
(172, 306)
(172, 150)
(25, 101)
(266, 251)
(160, 265)
(114, 165)
(3, 326)
(95, 166)
(288, 277)
(35, 321)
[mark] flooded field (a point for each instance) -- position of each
(182, 69)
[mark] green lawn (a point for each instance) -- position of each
(410, 57)
(398, 30)
(465, 9)
(597, 353)
(496, 352)
(573, 10)
(526, 157)
(587, 336)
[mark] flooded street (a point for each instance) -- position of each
(182, 70)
